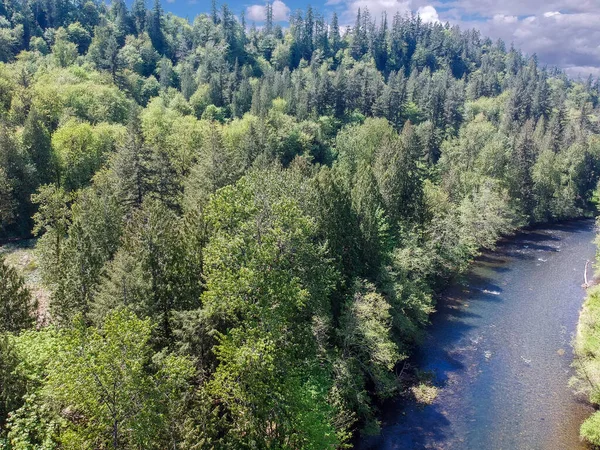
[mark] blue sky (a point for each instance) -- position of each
(565, 33)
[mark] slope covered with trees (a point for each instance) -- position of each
(243, 230)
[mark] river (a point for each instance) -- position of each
(499, 349)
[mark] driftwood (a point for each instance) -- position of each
(585, 278)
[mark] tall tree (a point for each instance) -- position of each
(264, 244)
(17, 306)
(155, 28)
(140, 13)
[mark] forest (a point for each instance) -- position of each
(243, 230)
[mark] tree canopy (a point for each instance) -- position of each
(243, 231)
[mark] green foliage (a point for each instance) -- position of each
(123, 285)
(8, 203)
(79, 93)
(587, 360)
(11, 385)
(98, 388)
(110, 377)
(81, 149)
(370, 352)
(63, 51)
(37, 143)
(155, 238)
(266, 289)
(93, 238)
(281, 206)
(590, 429)
(52, 218)
(33, 423)
(17, 307)
(17, 183)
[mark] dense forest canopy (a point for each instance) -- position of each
(243, 230)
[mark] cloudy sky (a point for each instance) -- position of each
(561, 32)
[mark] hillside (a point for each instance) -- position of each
(242, 231)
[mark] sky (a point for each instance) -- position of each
(564, 33)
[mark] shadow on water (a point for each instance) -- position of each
(416, 427)
(460, 314)
(414, 433)
(490, 258)
(473, 286)
(574, 226)
(455, 353)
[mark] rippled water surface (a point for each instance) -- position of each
(499, 347)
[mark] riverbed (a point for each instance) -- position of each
(499, 349)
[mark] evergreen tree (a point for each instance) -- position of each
(36, 140)
(140, 13)
(155, 28)
(17, 307)
(334, 34)
(524, 156)
(188, 84)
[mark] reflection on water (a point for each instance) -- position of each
(499, 347)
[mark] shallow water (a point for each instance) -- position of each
(499, 348)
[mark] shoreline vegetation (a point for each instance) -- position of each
(242, 230)
(587, 354)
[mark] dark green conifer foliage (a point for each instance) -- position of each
(17, 307)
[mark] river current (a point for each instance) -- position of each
(499, 348)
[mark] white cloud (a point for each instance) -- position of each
(582, 71)
(566, 40)
(520, 8)
(501, 18)
(258, 13)
(376, 8)
(561, 32)
(428, 14)
(280, 11)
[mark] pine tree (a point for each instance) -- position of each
(268, 18)
(17, 306)
(214, 12)
(334, 34)
(188, 84)
(524, 157)
(358, 45)
(140, 15)
(36, 140)
(155, 28)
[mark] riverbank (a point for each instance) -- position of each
(587, 360)
(498, 348)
